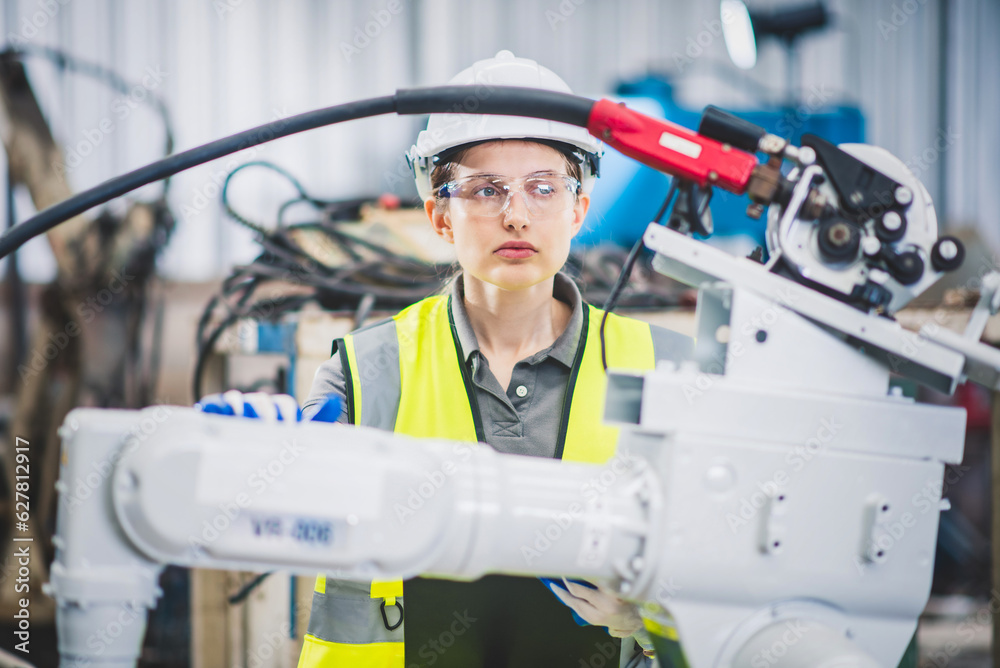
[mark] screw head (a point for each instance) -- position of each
(904, 195)
(871, 246)
(948, 249)
(892, 221)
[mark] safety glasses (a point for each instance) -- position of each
(489, 195)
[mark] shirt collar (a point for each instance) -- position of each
(564, 348)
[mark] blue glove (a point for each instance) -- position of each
(552, 583)
(269, 407)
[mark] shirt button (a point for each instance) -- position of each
(521, 391)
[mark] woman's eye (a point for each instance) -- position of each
(543, 189)
(486, 191)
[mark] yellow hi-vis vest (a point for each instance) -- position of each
(437, 400)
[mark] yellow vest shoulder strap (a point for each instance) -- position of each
(628, 346)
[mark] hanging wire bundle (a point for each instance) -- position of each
(351, 273)
(358, 275)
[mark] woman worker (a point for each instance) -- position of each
(510, 356)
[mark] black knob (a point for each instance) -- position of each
(839, 240)
(906, 267)
(890, 227)
(947, 254)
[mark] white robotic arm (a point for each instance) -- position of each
(172, 485)
(774, 492)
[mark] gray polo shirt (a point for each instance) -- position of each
(524, 417)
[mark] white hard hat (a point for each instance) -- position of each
(447, 131)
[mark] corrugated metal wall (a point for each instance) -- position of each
(227, 65)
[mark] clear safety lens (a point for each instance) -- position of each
(490, 195)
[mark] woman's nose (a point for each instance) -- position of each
(516, 213)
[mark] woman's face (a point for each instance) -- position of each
(516, 248)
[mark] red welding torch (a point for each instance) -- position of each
(720, 154)
(671, 148)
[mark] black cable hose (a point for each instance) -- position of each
(626, 272)
(479, 99)
(161, 169)
(613, 297)
(248, 588)
(502, 100)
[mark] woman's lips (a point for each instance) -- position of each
(515, 252)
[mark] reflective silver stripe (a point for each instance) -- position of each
(377, 351)
(347, 614)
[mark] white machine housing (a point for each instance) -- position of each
(774, 485)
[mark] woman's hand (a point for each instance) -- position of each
(600, 607)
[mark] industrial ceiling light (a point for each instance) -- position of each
(737, 29)
(743, 28)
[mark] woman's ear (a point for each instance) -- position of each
(440, 220)
(580, 212)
